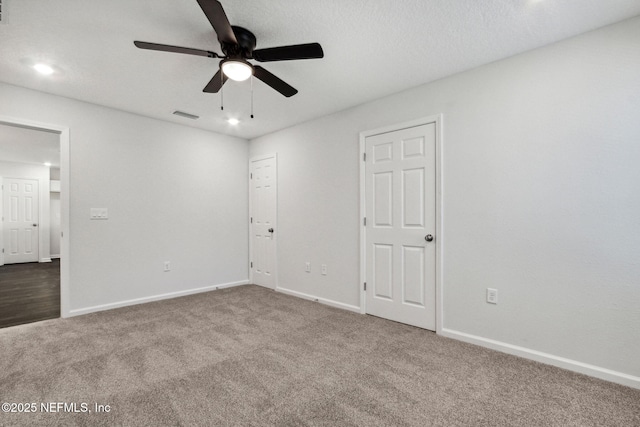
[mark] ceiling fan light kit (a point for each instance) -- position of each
(236, 69)
(238, 45)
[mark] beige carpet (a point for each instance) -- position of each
(249, 356)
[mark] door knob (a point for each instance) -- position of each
(428, 237)
(270, 230)
(35, 225)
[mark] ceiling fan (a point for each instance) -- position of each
(238, 46)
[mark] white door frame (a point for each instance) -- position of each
(439, 238)
(63, 131)
(1, 223)
(275, 243)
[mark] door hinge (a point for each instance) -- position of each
(365, 286)
(250, 176)
(251, 220)
(251, 264)
(364, 157)
(364, 222)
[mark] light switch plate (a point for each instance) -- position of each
(492, 296)
(99, 213)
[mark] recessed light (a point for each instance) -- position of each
(233, 121)
(43, 69)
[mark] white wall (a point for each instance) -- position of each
(174, 193)
(41, 173)
(541, 158)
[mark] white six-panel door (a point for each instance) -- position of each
(263, 196)
(400, 236)
(20, 225)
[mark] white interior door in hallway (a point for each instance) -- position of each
(20, 220)
(400, 207)
(263, 227)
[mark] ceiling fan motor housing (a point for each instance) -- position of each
(244, 48)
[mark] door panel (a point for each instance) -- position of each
(400, 201)
(263, 221)
(413, 147)
(383, 199)
(383, 271)
(413, 275)
(20, 226)
(413, 198)
(383, 152)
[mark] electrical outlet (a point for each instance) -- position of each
(492, 296)
(307, 267)
(323, 269)
(167, 266)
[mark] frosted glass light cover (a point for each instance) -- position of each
(237, 71)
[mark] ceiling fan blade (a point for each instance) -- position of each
(216, 83)
(219, 21)
(175, 49)
(273, 81)
(286, 53)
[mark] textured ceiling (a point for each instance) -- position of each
(372, 48)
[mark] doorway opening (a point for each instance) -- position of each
(34, 205)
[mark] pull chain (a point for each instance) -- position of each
(221, 92)
(252, 96)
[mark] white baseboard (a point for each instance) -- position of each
(87, 310)
(325, 301)
(45, 260)
(549, 359)
(55, 256)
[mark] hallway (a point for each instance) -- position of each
(29, 292)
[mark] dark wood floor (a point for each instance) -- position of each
(29, 292)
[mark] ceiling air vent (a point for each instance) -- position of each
(182, 113)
